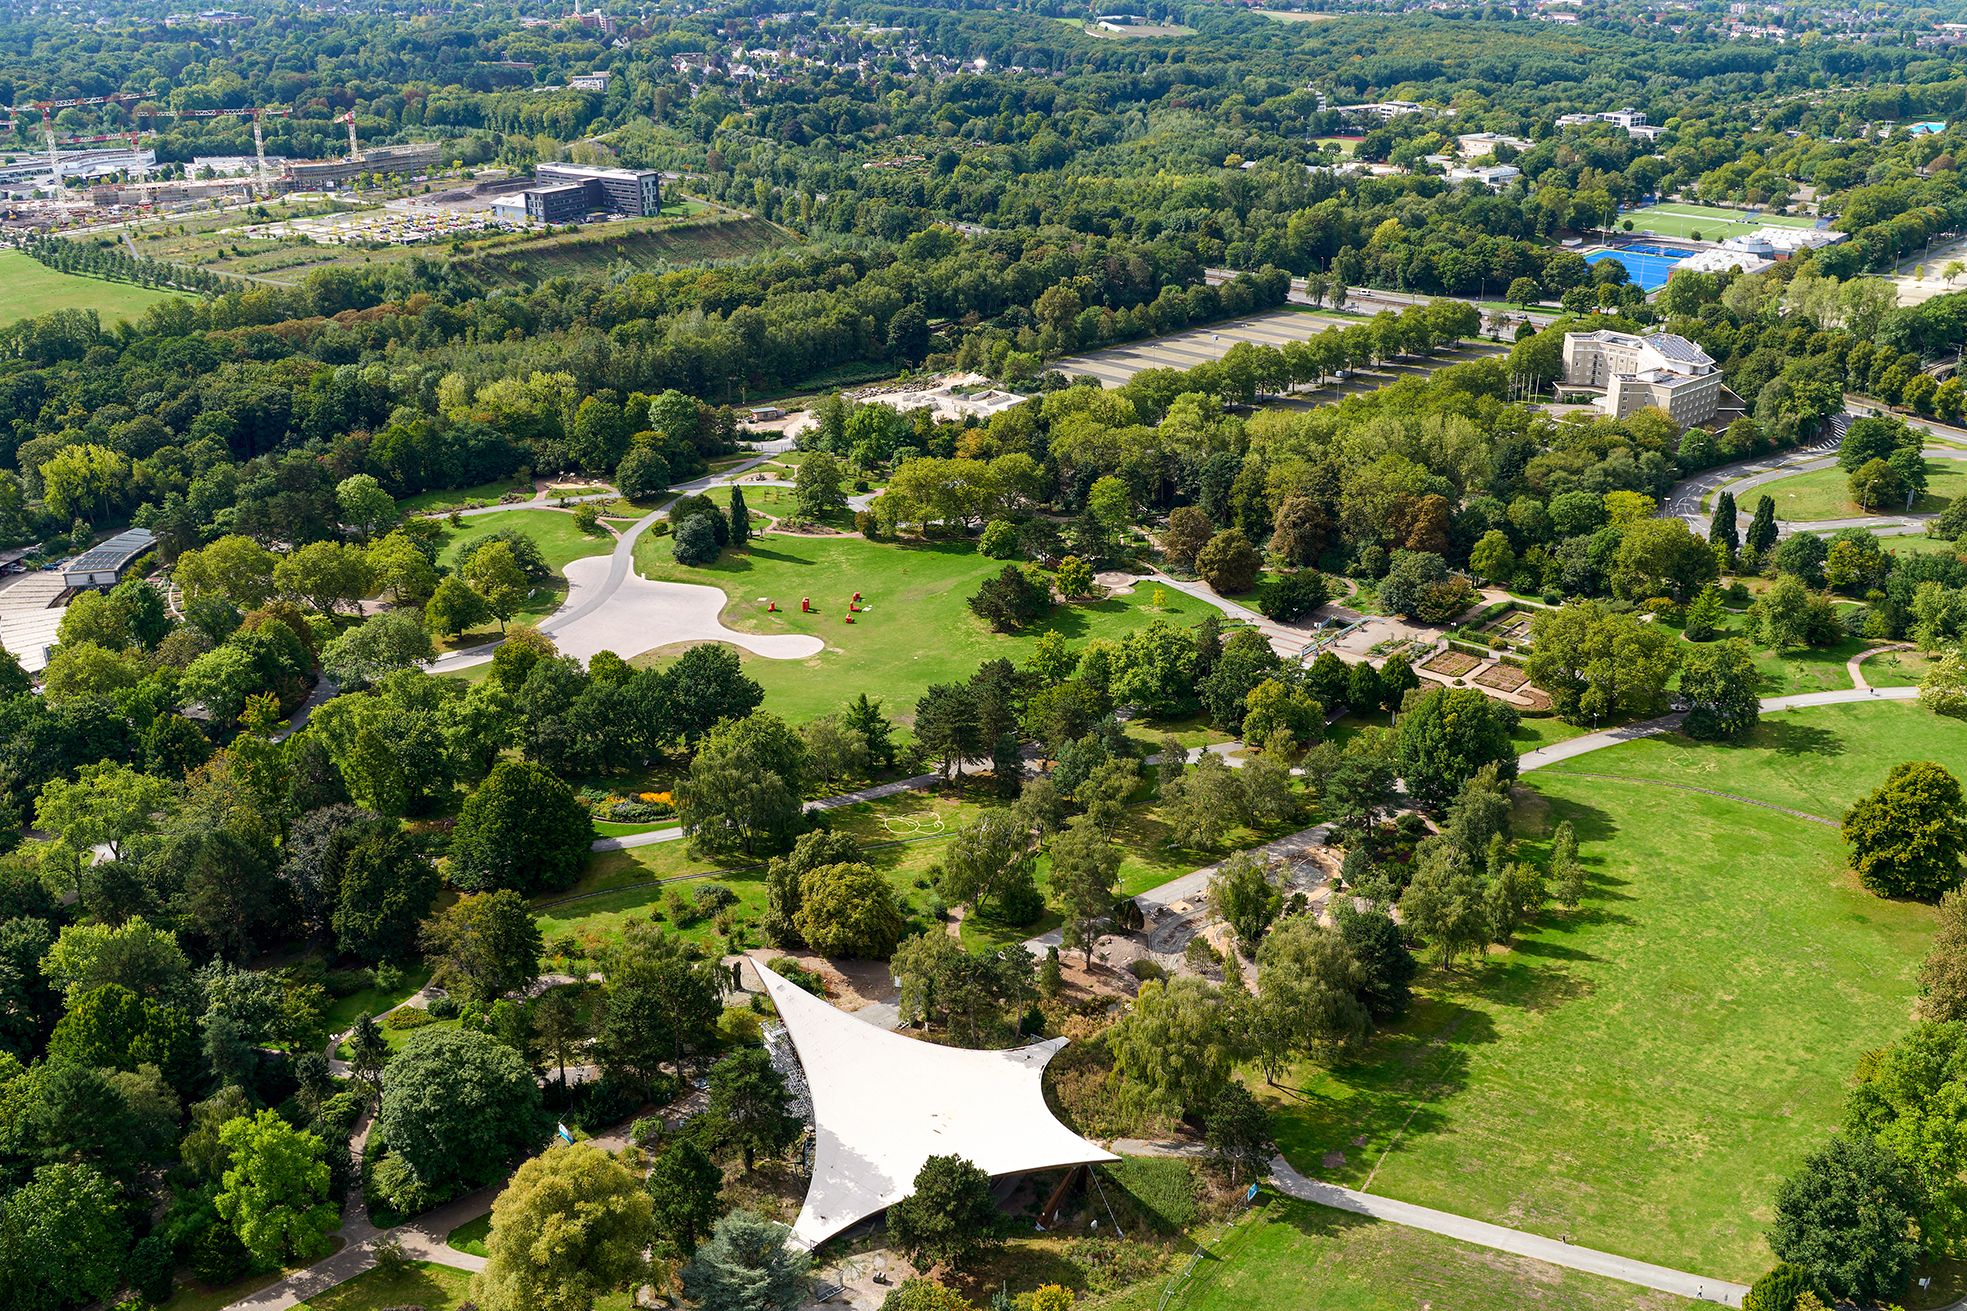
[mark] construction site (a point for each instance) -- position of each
(81, 180)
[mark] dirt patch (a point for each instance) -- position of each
(1451, 664)
(1502, 677)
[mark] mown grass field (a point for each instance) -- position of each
(1675, 219)
(1788, 673)
(1826, 493)
(918, 630)
(560, 541)
(1289, 1256)
(1640, 1073)
(34, 289)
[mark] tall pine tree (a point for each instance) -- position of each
(740, 518)
(1723, 532)
(1762, 528)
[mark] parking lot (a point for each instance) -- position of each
(1116, 365)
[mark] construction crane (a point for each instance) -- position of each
(48, 108)
(348, 117)
(263, 178)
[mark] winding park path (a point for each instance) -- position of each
(611, 607)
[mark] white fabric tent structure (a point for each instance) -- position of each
(884, 1103)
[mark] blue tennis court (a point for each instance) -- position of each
(1648, 266)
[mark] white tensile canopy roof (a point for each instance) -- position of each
(884, 1103)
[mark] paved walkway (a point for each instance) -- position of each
(611, 607)
(1550, 1250)
(1854, 667)
(1571, 748)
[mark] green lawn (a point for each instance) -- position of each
(1675, 219)
(559, 540)
(343, 1011)
(918, 631)
(469, 1237)
(1640, 1073)
(1896, 669)
(433, 1287)
(463, 497)
(1788, 673)
(1825, 493)
(34, 289)
(1289, 1256)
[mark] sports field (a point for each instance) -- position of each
(1640, 1073)
(1648, 266)
(1707, 222)
(34, 289)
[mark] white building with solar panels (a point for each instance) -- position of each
(1660, 369)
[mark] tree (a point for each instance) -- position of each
(1204, 804)
(1084, 867)
(1943, 974)
(1779, 1289)
(662, 1002)
(1387, 967)
(969, 992)
(742, 792)
(484, 945)
(683, 1188)
(1492, 557)
(1448, 734)
(747, 1266)
(1762, 530)
(816, 487)
(111, 1027)
(108, 805)
(1944, 688)
(570, 1227)
(63, 1238)
(747, 1103)
(1723, 531)
(458, 1108)
(368, 1051)
(1229, 564)
(275, 1190)
(1445, 904)
(235, 568)
(1846, 1217)
(642, 473)
(948, 1216)
(849, 910)
(990, 860)
(1176, 1045)
(1790, 615)
(1189, 530)
(1907, 1099)
(1661, 557)
(1011, 600)
(493, 572)
(362, 655)
(1875, 485)
(1237, 1132)
(1598, 664)
(364, 505)
(522, 828)
(1567, 872)
(1418, 585)
(1704, 615)
(740, 518)
(1245, 896)
(1719, 683)
(1906, 839)
(1307, 994)
(454, 608)
(384, 890)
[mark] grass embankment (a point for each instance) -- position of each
(1826, 494)
(560, 541)
(1640, 1073)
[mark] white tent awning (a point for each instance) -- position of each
(884, 1103)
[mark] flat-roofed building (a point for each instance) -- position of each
(635, 191)
(103, 564)
(395, 161)
(1660, 369)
